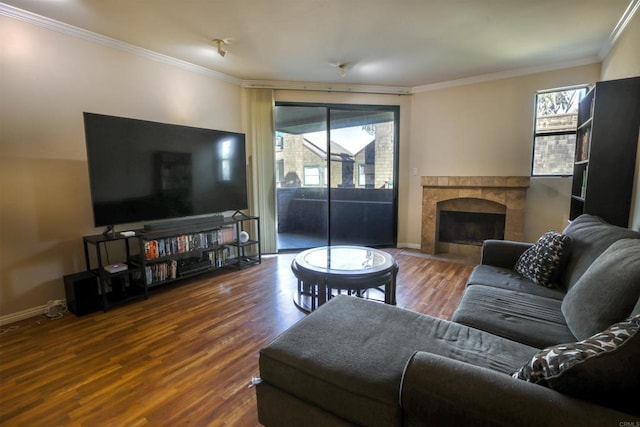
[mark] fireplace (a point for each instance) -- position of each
(478, 208)
(469, 228)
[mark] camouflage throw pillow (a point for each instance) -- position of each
(603, 368)
(541, 263)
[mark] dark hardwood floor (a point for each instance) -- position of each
(185, 356)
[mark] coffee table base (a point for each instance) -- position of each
(307, 303)
(317, 285)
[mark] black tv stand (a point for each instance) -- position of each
(162, 256)
(183, 222)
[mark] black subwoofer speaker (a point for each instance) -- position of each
(82, 294)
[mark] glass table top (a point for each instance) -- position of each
(347, 259)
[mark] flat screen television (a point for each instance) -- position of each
(146, 171)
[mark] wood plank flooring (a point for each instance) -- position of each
(185, 356)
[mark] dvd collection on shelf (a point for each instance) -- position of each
(219, 257)
(154, 249)
(213, 254)
(161, 271)
(582, 149)
(583, 187)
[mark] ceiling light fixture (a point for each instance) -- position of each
(341, 70)
(221, 43)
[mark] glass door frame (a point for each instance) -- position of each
(395, 110)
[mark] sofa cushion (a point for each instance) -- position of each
(530, 319)
(541, 263)
(348, 356)
(506, 278)
(603, 368)
(606, 292)
(590, 237)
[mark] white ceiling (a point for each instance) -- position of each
(399, 43)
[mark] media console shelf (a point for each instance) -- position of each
(162, 256)
(172, 254)
(118, 287)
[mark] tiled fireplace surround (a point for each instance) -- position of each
(480, 194)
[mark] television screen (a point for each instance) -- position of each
(143, 171)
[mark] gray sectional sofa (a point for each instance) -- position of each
(357, 362)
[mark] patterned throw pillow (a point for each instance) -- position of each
(541, 263)
(603, 368)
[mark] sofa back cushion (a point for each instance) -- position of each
(607, 292)
(590, 237)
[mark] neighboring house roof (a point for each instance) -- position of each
(338, 152)
(363, 148)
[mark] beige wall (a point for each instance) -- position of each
(454, 132)
(624, 61)
(48, 80)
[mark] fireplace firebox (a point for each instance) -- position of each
(470, 228)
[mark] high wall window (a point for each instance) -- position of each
(554, 137)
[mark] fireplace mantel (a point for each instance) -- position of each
(475, 181)
(508, 191)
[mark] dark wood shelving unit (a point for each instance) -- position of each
(606, 144)
(159, 257)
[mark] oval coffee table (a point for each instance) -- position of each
(356, 270)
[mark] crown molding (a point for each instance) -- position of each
(402, 90)
(624, 20)
(326, 87)
(63, 28)
(506, 74)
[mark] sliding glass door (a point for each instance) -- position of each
(336, 166)
(302, 211)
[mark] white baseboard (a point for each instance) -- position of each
(408, 246)
(22, 315)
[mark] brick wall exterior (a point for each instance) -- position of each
(377, 160)
(555, 153)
